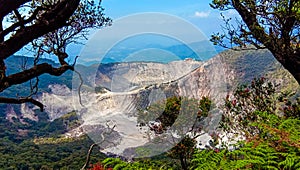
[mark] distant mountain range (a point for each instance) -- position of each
(153, 52)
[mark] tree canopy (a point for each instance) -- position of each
(48, 27)
(270, 24)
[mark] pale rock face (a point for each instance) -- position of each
(25, 111)
(136, 85)
(208, 79)
(58, 102)
(10, 113)
(28, 112)
(59, 89)
(128, 76)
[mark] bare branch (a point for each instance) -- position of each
(19, 17)
(110, 131)
(31, 73)
(22, 100)
(88, 156)
(80, 85)
(14, 26)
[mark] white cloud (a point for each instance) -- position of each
(202, 14)
(230, 14)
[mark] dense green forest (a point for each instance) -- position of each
(39, 145)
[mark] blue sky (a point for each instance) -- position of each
(129, 20)
(198, 12)
(118, 8)
(195, 13)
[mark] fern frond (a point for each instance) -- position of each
(241, 164)
(120, 166)
(269, 167)
(111, 162)
(297, 165)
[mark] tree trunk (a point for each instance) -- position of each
(183, 163)
(290, 61)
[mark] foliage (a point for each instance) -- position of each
(205, 105)
(28, 155)
(98, 166)
(171, 111)
(257, 111)
(174, 112)
(88, 15)
(291, 109)
(209, 159)
(273, 144)
(250, 156)
(26, 144)
(49, 27)
(240, 109)
(271, 124)
(118, 164)
(271, 19)
(183, 151)
(271, 24)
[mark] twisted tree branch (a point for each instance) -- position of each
(48, 21)
(26, 75)
(22, 100)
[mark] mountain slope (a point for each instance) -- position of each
(130, 87)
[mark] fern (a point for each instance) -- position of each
(269, 167)
(292, 161)
(241, 164)
(120, 166)
(297, 165)
(292, 126)
(209, 159)
(111, 162)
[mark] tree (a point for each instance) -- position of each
(270, 24)
(48, 27)
(183, 151)
(240, 109)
